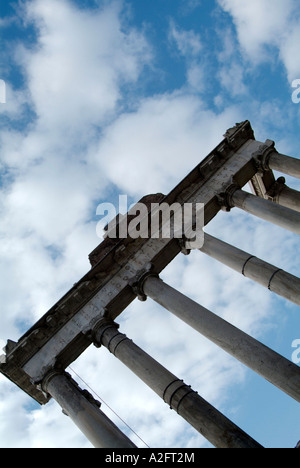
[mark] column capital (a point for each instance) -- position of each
(225, 198)
(276, 189)
(50, 375)
(84, 411)
(263, 154)
(138, 281)
(100, 327)
(61, 373)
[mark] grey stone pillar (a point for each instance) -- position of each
(213, 425)
(280, 193)
(84, 412)
(267, 210)
(276, 280)
(285, 164)
(289, 198)
(258, 357)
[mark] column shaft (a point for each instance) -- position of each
(267, 210)
(289, 198)
(92, 422)
(285, 164)
(213, 425)
(267, 363)
(276, 280)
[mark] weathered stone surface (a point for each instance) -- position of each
(108, 244)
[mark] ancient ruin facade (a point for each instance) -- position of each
(127, 268)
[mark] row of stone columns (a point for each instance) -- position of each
(206, 419)
(102, 433)
(285, 196)
(273, 367)
(285, 212)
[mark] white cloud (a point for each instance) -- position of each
(74, 74)
(190, 5)
(152, 145)
(232, 79)
(258, 22)
(289, 51)
(231, 71)
(23, 425)
(265, 24)
(188, 43)
(14, 103)
(82, 60)
(196, 77)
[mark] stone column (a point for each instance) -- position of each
(213, 425)
(290, 198)
(267, 210)
(285, 164)
(273, 367)
(276, 280)
(280, 193)
(84, 411)
(269, 159)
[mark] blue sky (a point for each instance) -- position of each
(126, 97)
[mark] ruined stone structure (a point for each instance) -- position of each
(124, 269)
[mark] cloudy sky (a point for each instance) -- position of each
(109, 97)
